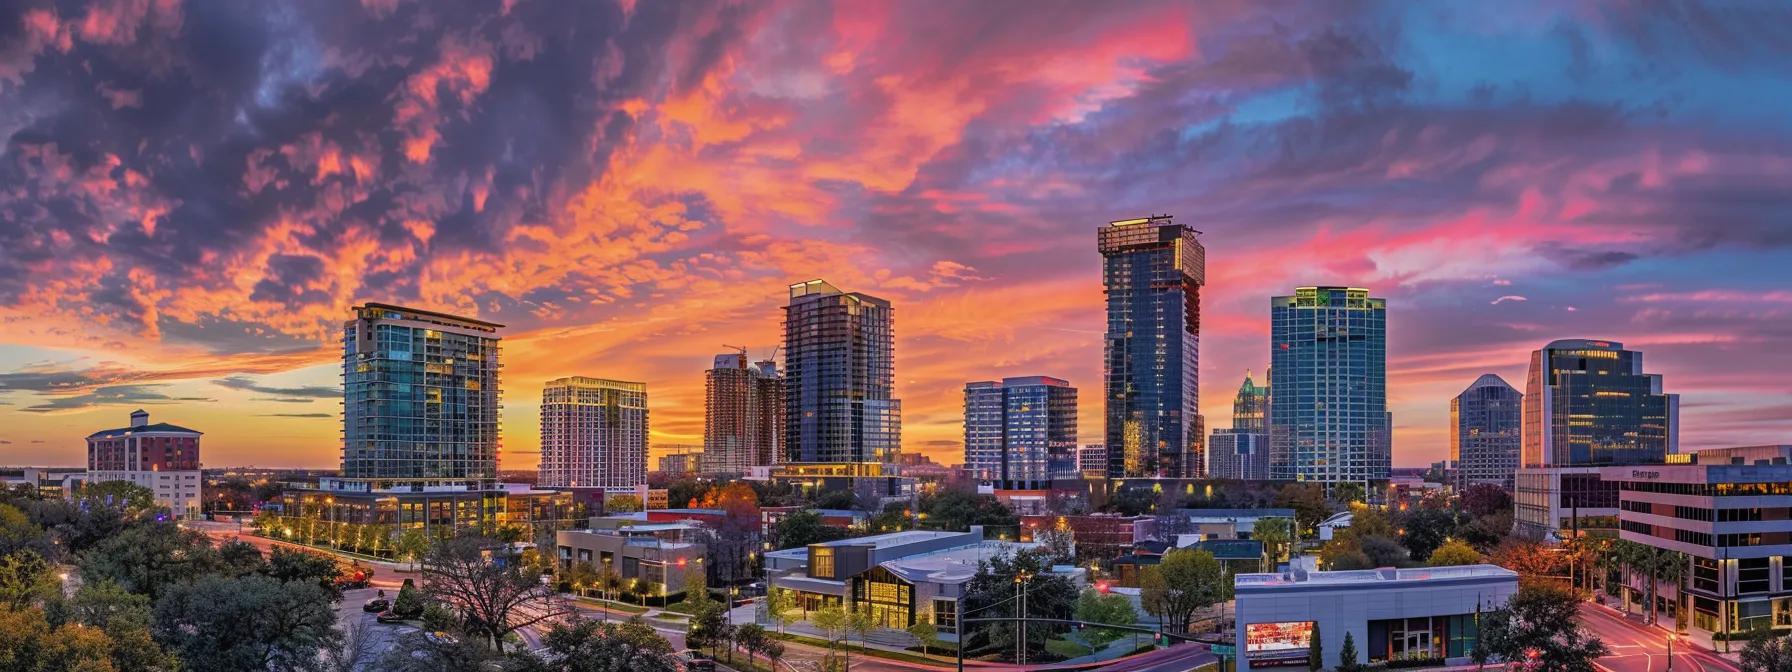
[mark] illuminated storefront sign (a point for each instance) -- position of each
(1277, 640)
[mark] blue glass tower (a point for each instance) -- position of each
(420, 396)
(1153, 270)
(1020, 433)
(1328, 402)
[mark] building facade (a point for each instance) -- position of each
(1486, 423)
(1423, 614)
(1152, 272)
(743, 415)
(839, 377)
(1242, 452)
(1328, 410)
(1092, 460)
(1589, 403)
(1727, 514)
(1020, 433)
(593, 433)
(161, 457)
(1549, 502)
(655, 557)
(420, 396)
(686, 461)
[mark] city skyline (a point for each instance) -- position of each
(196, 260)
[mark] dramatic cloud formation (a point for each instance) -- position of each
(193, 194)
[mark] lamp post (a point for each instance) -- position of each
(1670, 652)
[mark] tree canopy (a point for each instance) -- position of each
(1542, 620)
(1183, 583)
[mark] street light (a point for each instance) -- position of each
(1670, 652)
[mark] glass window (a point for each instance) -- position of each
(945, 614)
(821, 562)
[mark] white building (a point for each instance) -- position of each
(161, 457)
(1390, 614)
(593, 433)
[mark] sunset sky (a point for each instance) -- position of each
(192, 195)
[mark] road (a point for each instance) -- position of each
(1640, 648)
(380, 576)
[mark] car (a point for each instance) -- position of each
(376, 605)
(353, 580)
(692, 660)
(388, 616)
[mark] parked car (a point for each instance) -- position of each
(376, 605)
(389, 617)
(692, 660)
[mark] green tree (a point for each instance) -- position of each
(1767, 653)
(150, 558)
(1276, 534)
(1094, 607)
(1453, 553)
(621, 504)
(895, 517)
(802, 528)
(750, 637)
(991, 590)
(305, 566)
(583, 645)
(833, 621)
(958, 510)
(123, 616)
(1185, 582)
(248, 623)
(239, 558)
(1425, 529)
(18, 533)
(1308, 502)
(411, 544)
(707, 625)
(1348, 493)
(778, 603)
(1315, 651)
(1543, 618)
(29, 644)
(409, 602)
(26, 580)
(1347, 656)
(925, 631)
(581, 576)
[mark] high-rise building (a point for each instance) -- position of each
(1485, 424)
(1153, 270)
(1588, 403)
(1328, 409)
(743, 417)
(593, 433)
(839, 378)
(1020, 433)
(1242, 452)
(161, 457)
(420, 395)
(1092, 460)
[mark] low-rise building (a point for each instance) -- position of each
(1728, 514)
(896, 577)
(658, 555)
(48, 482)
(845, 519)
(1421, 614)
(1230, 523)
(1546, 500)
(1100, 536)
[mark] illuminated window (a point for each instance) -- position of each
(821, 562)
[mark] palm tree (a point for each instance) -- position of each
(1665, 566)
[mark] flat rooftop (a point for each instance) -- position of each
(952, 565)
(1229, 514)
(883, 541)
(1386, 577)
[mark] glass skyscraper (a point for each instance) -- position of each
(1328, 409)
(593, 433)
(1588, 402)
(1242, 452)
(420, 396)
(1020, 433)
(839, 377)
(1153, 270)
(1485, 433)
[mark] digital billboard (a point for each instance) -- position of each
(1273, 641)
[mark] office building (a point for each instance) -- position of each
(682, 460)
(743, 415)
(839, 359)
(1152, 271)
(1727, 514)
(1092, 460)
(1242, 452)
(593, 433)
(420, 396)
(1020, 433)
(895, 578)
(1425, 616)
(1485, 433)
(656, 555)
(159, 456)
(1328, 409)
(1587, 404)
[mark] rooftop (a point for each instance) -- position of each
(882, 541)
(1224, 514)
(1386, 576)
(951, 565)
(127, 431)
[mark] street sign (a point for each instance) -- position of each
(1223, 649)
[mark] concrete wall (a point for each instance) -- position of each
(1348, 607)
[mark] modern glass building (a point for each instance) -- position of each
(420, 396)
(1020, 433)
(593, 433)
(1242, 452)
(839, 377)
(1328, 411)
(1152, 270)
(1485, 423)
(1588, 403)
(743, 416)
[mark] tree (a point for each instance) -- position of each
(1425, 530)
(306, 567)
(150, 558)
(1308, 502)
(247, 623)
(1347, 656)
(833, 622)
(123, 616)
(708, 623)
(895, 517)
(989, 592)
(621, 504)
(1767, 653)
(25, 580)
(1348, 493)
(409, 602)
(1275, 533)
(411, 544)
(1486, 499)
(778, 604)
(239, 558)
(1382, 551)
(581, 576)
(29, 644)
(802, 528)
(925, 631)
(958, 510)
(1541, 621)
(836, 499)
(1134, 502)
(417, 652)
(1315, 651)
(750, 637)
(1453, 553)
(1094, 607)
(1531, 559)
(1185, 582)
(583, 645)
(492, 599)
(18, 533)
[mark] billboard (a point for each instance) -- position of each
(1273, 641)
